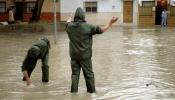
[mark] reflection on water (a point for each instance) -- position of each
(129, 64)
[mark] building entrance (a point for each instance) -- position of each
(127, 11)
(19, 11)
(158, 16)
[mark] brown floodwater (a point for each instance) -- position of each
(129, 63)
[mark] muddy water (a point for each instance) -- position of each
(129, 64)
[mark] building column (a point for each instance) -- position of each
(135, 12)
(10, 3)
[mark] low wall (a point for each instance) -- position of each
(146, 20)
(171, 21)
(32, 28)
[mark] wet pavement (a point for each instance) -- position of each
(129, 64)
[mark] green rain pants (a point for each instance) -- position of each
(86, 66)
(30, 67)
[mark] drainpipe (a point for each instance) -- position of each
(55, 22)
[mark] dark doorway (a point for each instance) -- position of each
(161, 5)
(158, 17)
(19, 11)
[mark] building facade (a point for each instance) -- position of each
(100, 11)
(130, 12)
(23, 9)
(150, 12)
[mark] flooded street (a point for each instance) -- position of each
(129, 64)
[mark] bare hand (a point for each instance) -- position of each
(70, 18)
(29, 82)
(113, 20)
(70, 15)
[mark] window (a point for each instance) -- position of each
(148, 3)
(2, 7)
(30, 6)
(146, 8)
(145, 11)
(91, 6)
(172, 3)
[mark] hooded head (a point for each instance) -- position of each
(79, 15)
(34, 52)
(46, 40)
(11, 7)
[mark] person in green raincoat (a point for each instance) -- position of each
(80, 35)
(39, 50)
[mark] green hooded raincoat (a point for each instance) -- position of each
(39, 50)
(80, 35)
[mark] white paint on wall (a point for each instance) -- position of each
(68, 6)
(106, 9)
(103, 5)
(109, 6)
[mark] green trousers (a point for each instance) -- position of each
(30, 67)
(86, 66)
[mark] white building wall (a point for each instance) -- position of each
(106, 9)
(68, 7)
(109, 6)
(135, 12)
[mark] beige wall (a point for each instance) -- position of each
(96, 18)
(48, 6)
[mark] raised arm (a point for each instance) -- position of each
(69, 19)
(109, 24)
